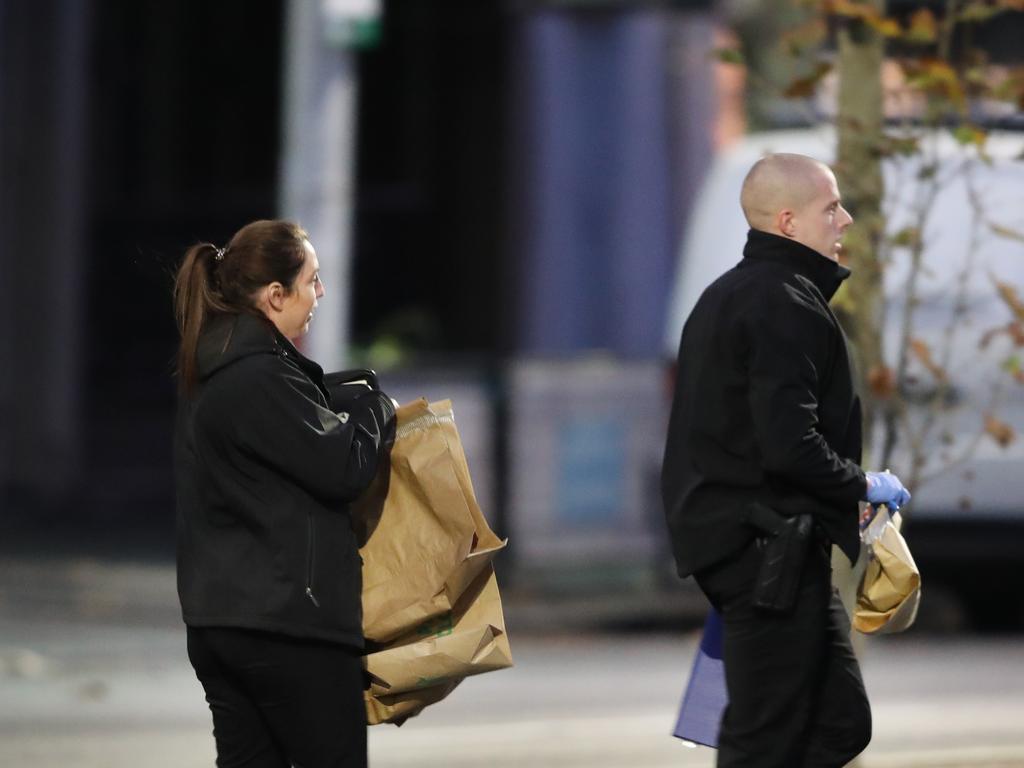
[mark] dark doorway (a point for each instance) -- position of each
(429, 220)
(184, 145)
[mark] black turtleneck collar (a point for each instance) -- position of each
(826, 274)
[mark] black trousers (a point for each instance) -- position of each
(279, 701)
(796, 697)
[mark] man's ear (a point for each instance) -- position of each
(274, 295)
(784, 220)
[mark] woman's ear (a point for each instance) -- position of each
(274, 295)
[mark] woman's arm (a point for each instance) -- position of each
(273, 413)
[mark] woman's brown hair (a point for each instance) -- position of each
(216, 281)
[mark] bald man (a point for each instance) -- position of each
(761, 472)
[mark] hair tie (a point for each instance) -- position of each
(220, 253)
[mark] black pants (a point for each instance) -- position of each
(796, 698)
(279, 701)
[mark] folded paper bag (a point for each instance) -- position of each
(400, 707)
(890, 591)
(432, 612)
(469, 640)
(424, 538)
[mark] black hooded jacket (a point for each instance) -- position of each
(264, 473)
(764, 407)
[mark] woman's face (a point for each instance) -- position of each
(293, 311)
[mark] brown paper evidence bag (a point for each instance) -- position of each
(431, 609)
(890, 590)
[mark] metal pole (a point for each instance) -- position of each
(317, 169)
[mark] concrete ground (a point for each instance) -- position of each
(93, 674)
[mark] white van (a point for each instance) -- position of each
(969, 511)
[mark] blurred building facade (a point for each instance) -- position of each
(44, 114)
(497, 190)
(129, 131)
(611, 125)
(517, 180)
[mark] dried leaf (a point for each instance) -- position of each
(1009, 88)
(923, 27)
(885, 26)
(1016, 332)
(987, 336)
(851, 10)
(866, 13)
(979, 77)
(1012, 365)
(978, 11)
(1008, 294)
(969, 134)
(881, 381)
(1010, 5)
(999, 431)
(1009, 234)
(908, 237)
(804, 87)
(938, 79)
(923, 353)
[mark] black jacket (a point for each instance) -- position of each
(764, 407)
(264, 473)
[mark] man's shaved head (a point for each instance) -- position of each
(796, 197)
(778, 182)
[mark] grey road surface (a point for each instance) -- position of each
(91, 681)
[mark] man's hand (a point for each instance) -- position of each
(886, 488)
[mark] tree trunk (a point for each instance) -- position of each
(859, 173)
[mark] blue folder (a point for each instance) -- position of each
(705, 698)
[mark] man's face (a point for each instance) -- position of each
(820, 223)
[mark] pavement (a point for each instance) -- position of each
(93, 674)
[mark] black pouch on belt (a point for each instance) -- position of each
(784, 542)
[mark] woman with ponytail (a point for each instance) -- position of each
(268, 566)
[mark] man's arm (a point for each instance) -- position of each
(789, 338)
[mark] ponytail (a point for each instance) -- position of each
(196, 299)
(213, 281)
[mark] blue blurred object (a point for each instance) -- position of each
(591, 487)
(700, 715)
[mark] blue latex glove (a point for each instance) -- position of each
(886, 488)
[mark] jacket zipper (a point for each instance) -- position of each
(310, 562)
